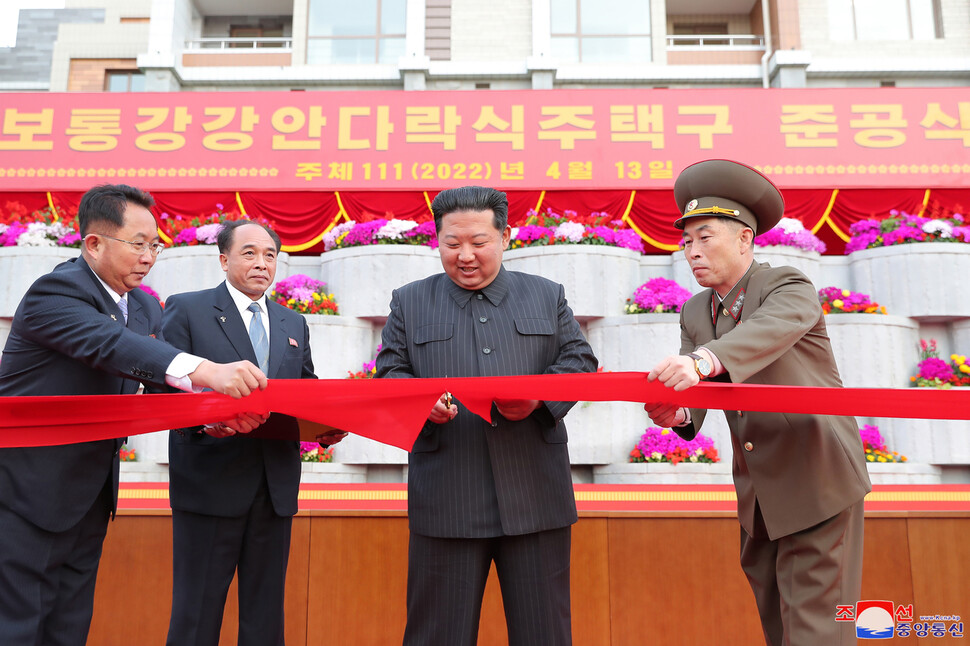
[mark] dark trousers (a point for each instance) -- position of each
(446, 582)
(799, 580)
(47, 578)
(208, 550)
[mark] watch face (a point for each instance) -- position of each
(704, 366)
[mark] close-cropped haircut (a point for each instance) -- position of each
(105, 205)
(471, 198)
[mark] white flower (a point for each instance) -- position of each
(572, 231)
(693, 458)
(40, 234)
(940, 227)
(790, 225)
(515, 232)
(394, 229)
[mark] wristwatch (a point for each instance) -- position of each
(701, 365)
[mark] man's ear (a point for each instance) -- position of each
(91, 245)
(745, 239)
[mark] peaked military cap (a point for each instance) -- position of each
(728, 189)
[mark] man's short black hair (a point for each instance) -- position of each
(226, 233)
(471, 198)
(105, 205)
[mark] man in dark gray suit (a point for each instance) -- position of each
(84, 329)
(486, 491)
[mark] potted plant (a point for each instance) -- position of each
(335, 340)
(661, 456)
(902, 257)
(595, 257)
(32, 244)
(860, 327)
(390, 252)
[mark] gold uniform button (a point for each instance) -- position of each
(726, 313)
(740, 413)
(748, 446)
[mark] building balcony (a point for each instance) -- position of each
(238, 52)
(715, 49)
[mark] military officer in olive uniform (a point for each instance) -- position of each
(800, 479)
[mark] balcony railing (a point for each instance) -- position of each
(716, 41)
(236, 44)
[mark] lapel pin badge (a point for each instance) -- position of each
(293, 342)
(114, 318)
(222, 318)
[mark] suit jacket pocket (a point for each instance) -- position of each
(555, 434)
(435, 332)
(535, 326)
(427, 440)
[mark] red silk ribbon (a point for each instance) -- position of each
(393, 411)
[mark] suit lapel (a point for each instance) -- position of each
(137, 320)
(228, 319)
(278, 337)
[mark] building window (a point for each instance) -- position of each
(885, 19)
(600, 31)
(363, 31)
(124, 81)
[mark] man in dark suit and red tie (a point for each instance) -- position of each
(84, 329)
(233, 497)
(486, 491)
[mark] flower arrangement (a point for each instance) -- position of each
(314, 452)
(875, 447)
(934, 372)
(127, 455)
(903, 228)
(790, 232)
(843, 301)
(657, 295)
(304, 295)
(367, 369)
(550, 228)
(201, 229)
(381, 231)
(663, 445)
(41, 228)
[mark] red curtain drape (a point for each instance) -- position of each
(301, 218)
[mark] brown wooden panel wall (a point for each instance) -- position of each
(635, 580)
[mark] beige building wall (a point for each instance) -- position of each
(496, 30)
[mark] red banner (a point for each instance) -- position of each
(516, 140)
(393, 411)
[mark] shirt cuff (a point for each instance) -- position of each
(177, 373)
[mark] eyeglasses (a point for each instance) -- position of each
(139, 246)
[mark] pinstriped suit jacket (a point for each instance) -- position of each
(468, 478)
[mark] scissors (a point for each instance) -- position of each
(448, 398)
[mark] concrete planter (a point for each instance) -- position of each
(932, 441)
(664, 473)
(922, 280)
(339, 344)
(355, 449)
(189, 269)
(362, 278)
(634, 342)
(150, 448)
(873, 350)
(598, 430)
(808, 262)
(143, 472)
(332, 472)
(21, 266)
(597, 279)
(903, 473)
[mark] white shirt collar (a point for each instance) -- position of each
(242, 301)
